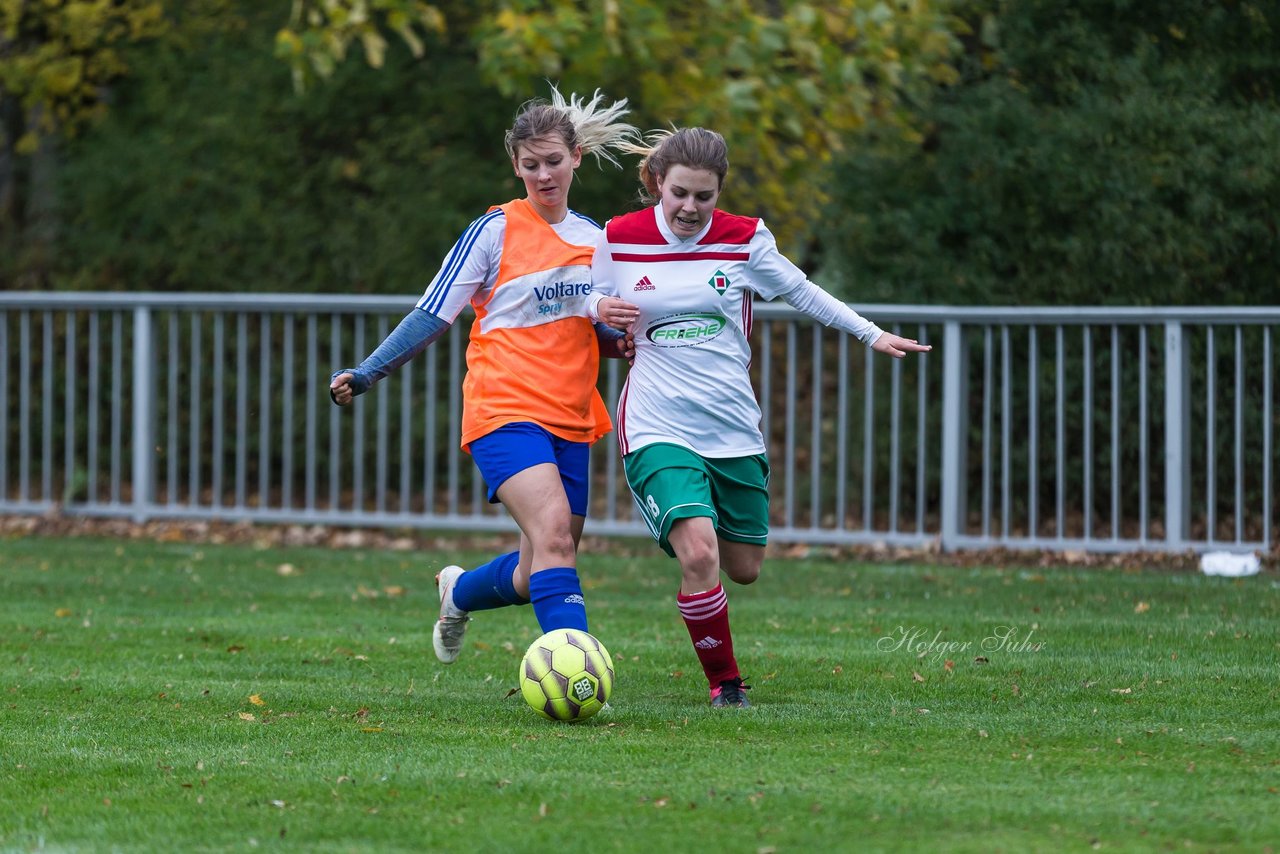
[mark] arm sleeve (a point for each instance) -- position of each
(602, 275)
(607, 338)
(414, 334)
(829, 311)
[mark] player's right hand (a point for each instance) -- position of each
(618, 313)
(340, 391)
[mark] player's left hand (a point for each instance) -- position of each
(897, 346)
(627, 348)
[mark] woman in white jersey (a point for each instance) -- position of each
(688, 423)
(530, 406)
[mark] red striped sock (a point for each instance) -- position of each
(706, 616)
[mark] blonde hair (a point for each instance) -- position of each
(694, 148)
(578, 122)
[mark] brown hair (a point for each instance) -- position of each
(694, 148)
(578, 122)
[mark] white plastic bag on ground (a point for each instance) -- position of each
(1229, 564)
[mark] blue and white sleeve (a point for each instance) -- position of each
(413, 335)
(469, 266)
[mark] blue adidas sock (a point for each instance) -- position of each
(489, 586)
(557, 599)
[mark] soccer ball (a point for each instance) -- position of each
(567, 675)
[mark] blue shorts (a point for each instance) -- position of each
(512, 448)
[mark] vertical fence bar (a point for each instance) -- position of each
(380, 430)
(1006, 431)
(358, 413)
(789, 452)
(842, 428)
(287, 416)
(69, 413)
(265, 384)
(987, 370)
(815, 433)
(868, 442)
(117, 397)
(171, 407)
(1059, 429)
(241, 381)
(1210, 423)
(219, 411)
(406, 433)
(311, 451)
(455, 417)
(895, 430)
(953, 426)
(24, 406)
(95, 340)
(922, 377)
(429, 440)
(1087, 359)
(1144, 461)
(1267, 424)
(1115, 433)
(1176, 414)
(143, 413)
(335, 423)
(4, 410)
(195, 406)
(1239, 425)
(46, 412)
(1033, 433)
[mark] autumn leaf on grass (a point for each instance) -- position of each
(247, 716)
(256, 700)
(916, 677)
(393, 590)
(286, 570)
(1141, 608)
(62, 612)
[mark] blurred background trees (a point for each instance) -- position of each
(946, 152)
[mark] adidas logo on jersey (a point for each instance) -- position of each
(574, 599)
(644, 285)
(708, 643)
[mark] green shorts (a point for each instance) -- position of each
(669, 482)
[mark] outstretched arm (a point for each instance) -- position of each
(829, 311)
(413, 335)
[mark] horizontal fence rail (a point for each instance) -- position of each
(1067, 429)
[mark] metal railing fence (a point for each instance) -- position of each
(1093, 429)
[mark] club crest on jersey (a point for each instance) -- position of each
(644, 285)
(719, 281)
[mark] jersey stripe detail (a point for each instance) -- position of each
(434, 298)
(730, 228)
(681, 256)
(623, 447)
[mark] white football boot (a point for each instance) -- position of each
(449, 630)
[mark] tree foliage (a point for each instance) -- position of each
(789, 85)
(57, 56)
(1104, 152)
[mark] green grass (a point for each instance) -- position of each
(1137, 710)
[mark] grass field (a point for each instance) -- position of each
(202, 697)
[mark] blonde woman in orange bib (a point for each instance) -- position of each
(530, 406)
